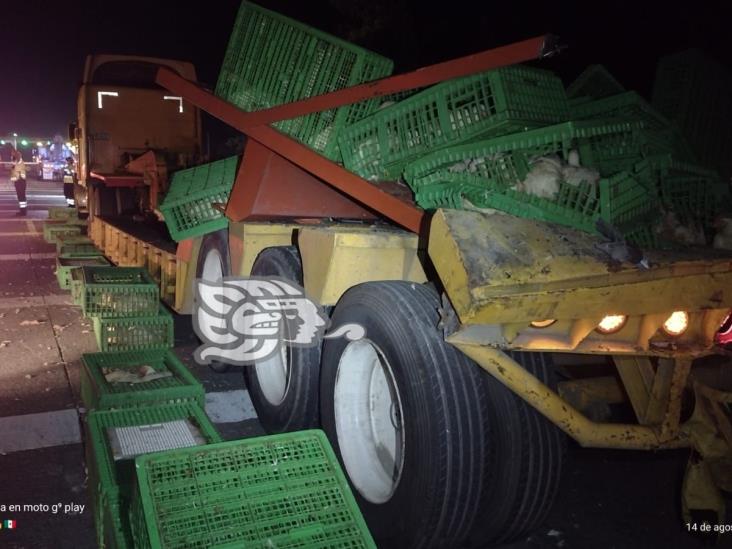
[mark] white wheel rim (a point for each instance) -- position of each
(213, 271)
(368, 418)
(273, 374)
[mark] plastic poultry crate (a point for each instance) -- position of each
(595, 82)
(111, 478)
(99, 394)
(53, 230)
(69, 262)
(272, 60)
(118, 292)
(505, 160)
(188, 206)
(692, 192)
(76, 239)
(135, 333)
(620, 200)
(498, 102)
(60, 213)
(283, 490)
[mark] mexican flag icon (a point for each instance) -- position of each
(10, 524)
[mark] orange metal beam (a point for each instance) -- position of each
(403, 213)
(512, 54)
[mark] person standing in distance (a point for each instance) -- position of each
(69, 180)
(17, 177)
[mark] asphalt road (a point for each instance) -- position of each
(607, 500)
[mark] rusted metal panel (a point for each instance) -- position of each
(112, 180)
(268, 186)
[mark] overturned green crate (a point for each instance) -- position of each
(99, 393)
(118, 292)
(53, 230)
(494, 103)
(69, 262)
(111, 480)
(273, 60)
(134, 333)
(188, 206)
(283, 490)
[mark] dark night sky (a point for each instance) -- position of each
(44, 43)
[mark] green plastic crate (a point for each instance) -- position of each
(601, 144)
(53, 230)
(272, 60)
(118, 292)
(187, 207)
(692, 192)
(110, 482)
(620, 200)
(70, 250)
(135, 333)
(69, 262)
(72, 240)
(98, 393)
(498, 102)
(62, 213)
(595, 82)
(283, 490)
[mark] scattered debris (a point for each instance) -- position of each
(143, 374)
(4, 343)
(554, 533)
(28, 376)
(32, 322)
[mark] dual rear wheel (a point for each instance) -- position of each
(438, 453)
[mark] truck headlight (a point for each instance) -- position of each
(543, 323)
(611, 324)
(677, 323)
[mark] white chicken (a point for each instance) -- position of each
(543, 179)
(723, 238)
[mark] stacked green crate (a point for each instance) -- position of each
(499, 102)
(488, 174)
(283, 490)
(118, 292)
(115, 437)
(595, 82)
(134, 333)
(661, 136)
(52, 230)
(97, 393)
(59, 213)
(272, 60)
(74, 243)
(188, 206)
(67, 262)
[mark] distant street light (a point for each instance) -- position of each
(15, 140)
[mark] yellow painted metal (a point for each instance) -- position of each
(587, 433)
(164, 267)
(584, 393)
(336, 258)
(637, 374)
(185, 279)
(247, 240)
(500, 269)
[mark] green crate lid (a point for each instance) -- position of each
(276, 491)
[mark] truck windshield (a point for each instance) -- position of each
(134, 74)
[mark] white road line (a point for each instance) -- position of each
(31, 227)
(229, 406)
(18, 234)
(26, 257)
(21, 302)
(17, 220)
(31, 431)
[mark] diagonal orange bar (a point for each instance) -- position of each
(519, 52)
(403, 213)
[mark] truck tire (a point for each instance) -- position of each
(284, 389)
(405, 413)
(214, 264)
(524, 476)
